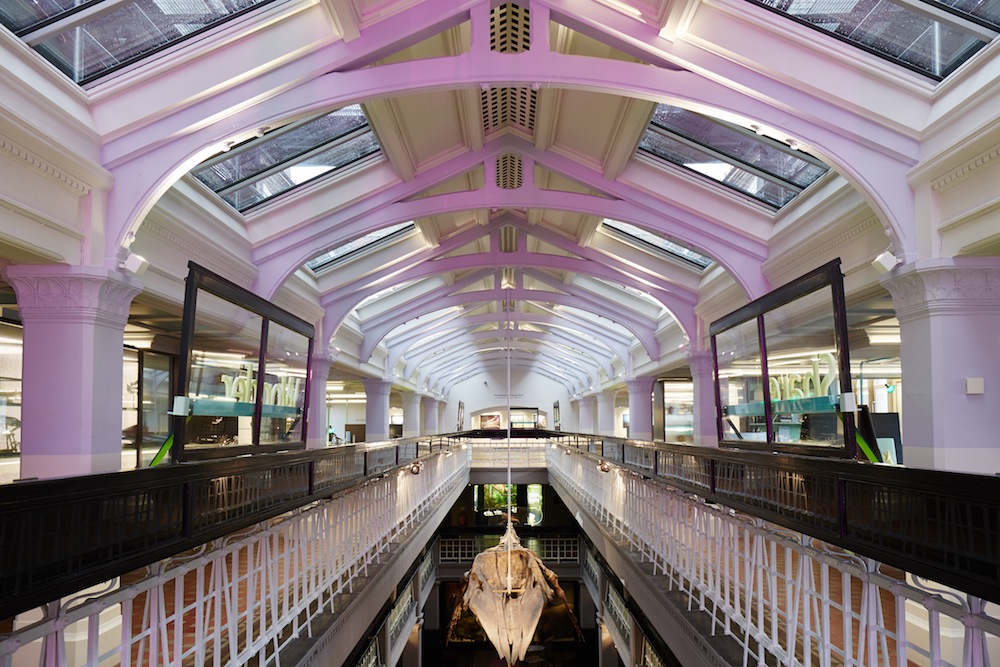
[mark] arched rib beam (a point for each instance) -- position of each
(499, 359)
(535, 356)
(416, 354)
(574, 328)
(468, 351)
(339, 304)
(739, 253)
(376, 330)
(880, 174)
(445, 385)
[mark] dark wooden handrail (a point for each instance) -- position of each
(941, 525)
(60, 536)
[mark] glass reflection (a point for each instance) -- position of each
(741, 383)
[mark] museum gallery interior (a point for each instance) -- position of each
(306, 303)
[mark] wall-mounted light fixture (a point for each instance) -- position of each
(135, 264)
(885, 262)
(604, 466)
(416, 467)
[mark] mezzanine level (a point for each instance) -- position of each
(797, 561)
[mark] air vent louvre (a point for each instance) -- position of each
(509, 106)
(510, 28)
(508, 240)
(509, 279)
(508, 172)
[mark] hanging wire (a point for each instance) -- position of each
(510, 515)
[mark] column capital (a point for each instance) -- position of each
(377, 386)
(75, 293)
(701, 362)
(954, 285)
(637, 385)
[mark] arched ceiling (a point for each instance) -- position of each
(473, 200)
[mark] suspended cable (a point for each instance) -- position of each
(510, 515)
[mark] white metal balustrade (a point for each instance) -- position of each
(494, 453)
(241, 598)
(780, 593)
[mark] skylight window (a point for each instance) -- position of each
(758, 166)
(367, 242)
(89, 39)
(932, 38)
(279, 161)
(675, 250)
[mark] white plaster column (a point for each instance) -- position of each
(706, 430)
(949, 319)
(587, 405)
(411, 414)
(443, 425)
(319, 416)
(606, 412)
(430, 416)
(376, 409)
(74, 332)
(640, 408)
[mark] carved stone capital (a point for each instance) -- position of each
(955, 285)
(376, 387)
(640, 385)
(60, 292)
(701, 363)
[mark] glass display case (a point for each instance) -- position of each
(783, 369)
(244, 364)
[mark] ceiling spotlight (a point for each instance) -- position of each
(604, 466)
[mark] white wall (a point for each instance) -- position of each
(489, 391)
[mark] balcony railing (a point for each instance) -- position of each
(63, 535)
(944, 526)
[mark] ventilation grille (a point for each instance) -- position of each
(508, 281)
(508, 240)
(508, 172)
(510, 29)
(510, 32)
(509, 106)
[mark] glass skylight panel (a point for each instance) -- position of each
(987, 11)
(659, 242)
(267, 186)
(85, 40)
(762, 168)
(916, 39)
(268, 166)
(369, 240)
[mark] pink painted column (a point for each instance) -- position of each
(706, 431)
(376, 409)
(949, 321)
(430, 416)
(640, 408)
(74, 326)
(319, 415)
(411, 414)
(606, 412)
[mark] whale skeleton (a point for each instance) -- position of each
(507, 589)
